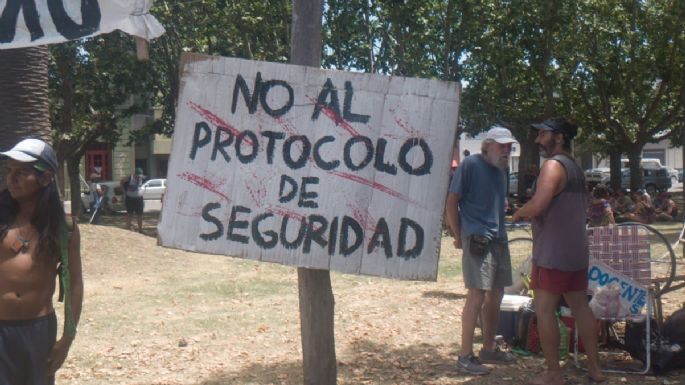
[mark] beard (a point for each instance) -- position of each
(501, 162)
(546, 148)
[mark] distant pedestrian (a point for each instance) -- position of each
(134, 199)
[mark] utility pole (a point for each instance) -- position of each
(315, 292)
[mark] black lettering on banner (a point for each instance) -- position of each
(271, 137)
(300, 234)
(258, 236)
(241, 86)
(347, 154)
(260, 94)
(347, 106)
(253, 142)
(263, 92)
(334, 105)
(220, 144)
(379, 164)
(425, 168)
(349, 224)
(282, 186)
(322, 164)
(316, 228)
(213, 220)
(381, 237)
(307, 197)
(332, 236)
(287, 150)
(415, 251)
(234, 223)
(8, 20)
(65, 25)
(198, 140)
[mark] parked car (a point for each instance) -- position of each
(654, 179)
(673, 173)
(153, 189)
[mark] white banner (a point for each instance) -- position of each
(25, 23)
(311, 168)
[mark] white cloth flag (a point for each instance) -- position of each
(25, 23)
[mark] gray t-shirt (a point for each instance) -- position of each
(559, 235)
(482, 189)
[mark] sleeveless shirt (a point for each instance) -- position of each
(559, 235)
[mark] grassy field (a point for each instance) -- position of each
(158, 316)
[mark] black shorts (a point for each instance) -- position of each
(134, 205)
(24, 350)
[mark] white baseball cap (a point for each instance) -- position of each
(500, 135)
(33, 150)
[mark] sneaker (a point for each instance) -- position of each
(471, 365)
(496, 357)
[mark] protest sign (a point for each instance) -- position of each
(310, 168)
(25, 23)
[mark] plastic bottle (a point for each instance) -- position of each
(563, 339)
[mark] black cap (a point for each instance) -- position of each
(558, 124)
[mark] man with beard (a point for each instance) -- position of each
(560, 248)
(475, 214)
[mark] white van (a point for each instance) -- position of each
(649, 163)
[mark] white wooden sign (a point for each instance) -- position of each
(310, 168)
(25, 23)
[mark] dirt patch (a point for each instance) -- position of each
(166, 317)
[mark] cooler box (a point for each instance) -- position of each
(508, 315)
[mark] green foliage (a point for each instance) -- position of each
(258, 30)
(91, 87)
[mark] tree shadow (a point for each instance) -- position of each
(443, 295)
(367, 362)
(118, 220)
(364, 362)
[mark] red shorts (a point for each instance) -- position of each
(558, 281)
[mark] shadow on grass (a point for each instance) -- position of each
(371, 363)
(443, 295)
(119, 220)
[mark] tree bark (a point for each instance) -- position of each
(24, 98)
(315, 292)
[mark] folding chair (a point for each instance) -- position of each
(621, 254)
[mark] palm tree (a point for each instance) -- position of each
(23, 96)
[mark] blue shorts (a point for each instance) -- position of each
(24, 350)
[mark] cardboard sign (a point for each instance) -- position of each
(310, 168)
(633, 295)
(27, 23)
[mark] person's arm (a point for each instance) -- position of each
(551, 181)
(61, 348)
(452, 211)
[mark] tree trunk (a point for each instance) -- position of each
(315, 292)
(634, 155)
(24, 99)
(615, 167)
(75, 183)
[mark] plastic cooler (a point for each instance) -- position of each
(508, 315)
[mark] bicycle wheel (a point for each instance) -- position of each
(662, 258)
(521, 251)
